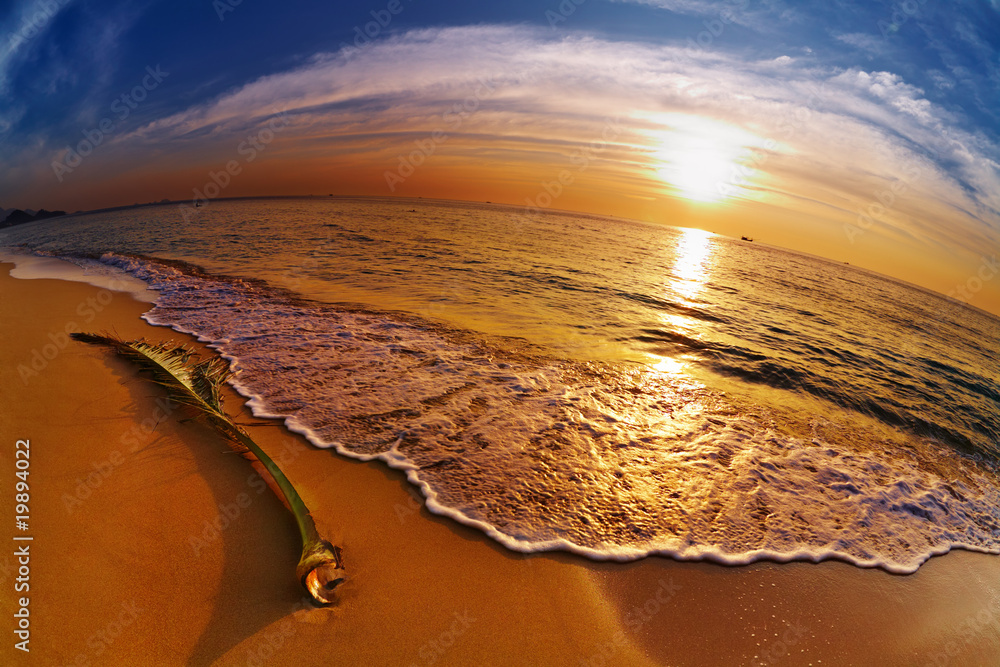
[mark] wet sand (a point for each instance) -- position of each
(155, 545)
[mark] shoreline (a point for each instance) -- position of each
(180, 528)
(168, 551)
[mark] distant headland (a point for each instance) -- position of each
(15, 216)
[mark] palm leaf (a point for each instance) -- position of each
(196, 385)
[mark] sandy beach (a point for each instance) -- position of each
(154, 544)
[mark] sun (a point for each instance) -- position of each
(700, 170)
(701, 159)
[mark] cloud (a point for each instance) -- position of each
(21, 30)
(865, 130)
(941, 80)
(763, 16)
(693, 7)
(870, 44)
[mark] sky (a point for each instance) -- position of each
(866, 132)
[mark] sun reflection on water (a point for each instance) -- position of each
(668, 366)
(692, 265)
(690, 271)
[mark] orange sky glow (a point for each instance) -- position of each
(845, 164)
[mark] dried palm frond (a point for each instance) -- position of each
(196, 385)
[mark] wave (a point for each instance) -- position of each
(611, 461)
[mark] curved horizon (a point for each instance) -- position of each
(863, 136)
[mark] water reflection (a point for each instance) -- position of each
(692, 264)
(668, 366)
(691, 269)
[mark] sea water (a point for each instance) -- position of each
(609, 387)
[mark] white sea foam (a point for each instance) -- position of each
(609, 461)
(34, 267)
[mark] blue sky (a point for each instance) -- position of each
(89, 51)
(830, 110)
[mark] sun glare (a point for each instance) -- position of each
(692, 263)
(698, 170)
(703, 160)
(691, 267)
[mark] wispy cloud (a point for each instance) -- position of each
(761, 15)
(695, 7)
(21, 32)
(22, 29)
(862, 132)
(867, 42)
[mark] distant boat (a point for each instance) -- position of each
(744, 238)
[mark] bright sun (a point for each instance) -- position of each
(700, 170)
(701, 159)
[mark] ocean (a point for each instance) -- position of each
(609, 387)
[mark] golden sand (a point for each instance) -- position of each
(155, 545)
